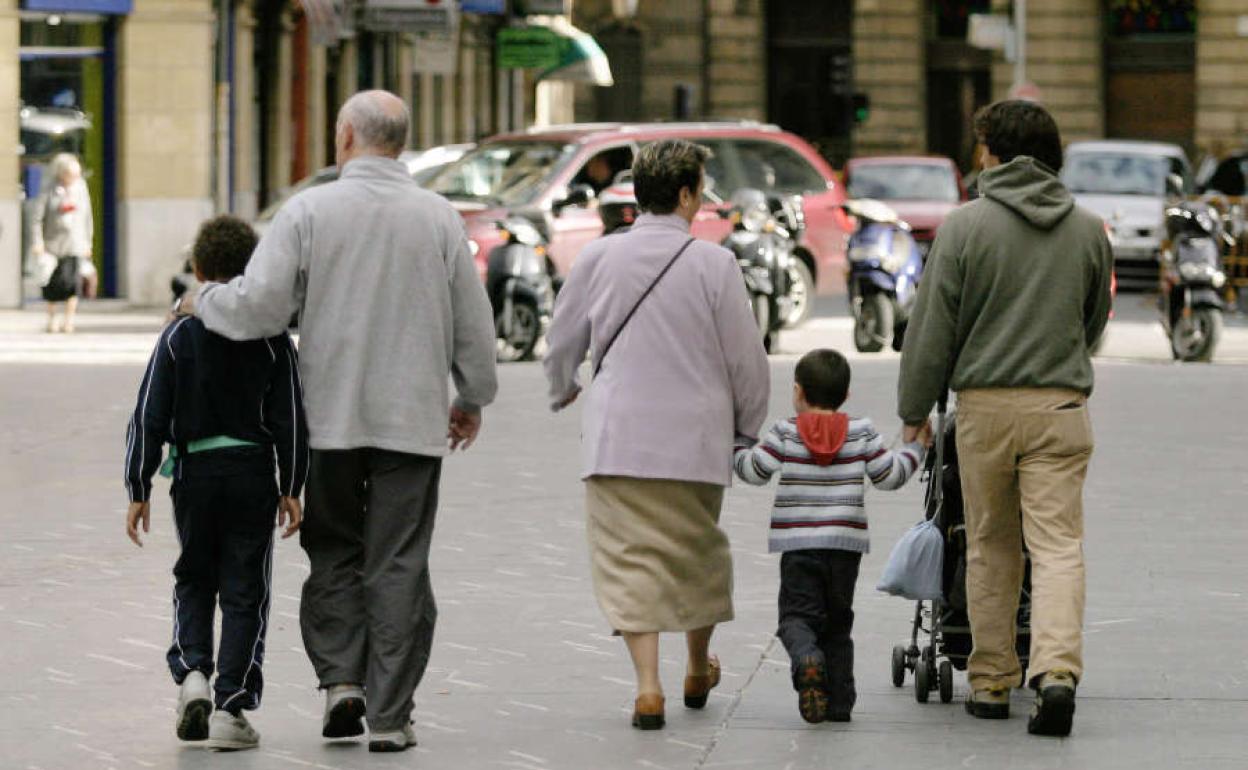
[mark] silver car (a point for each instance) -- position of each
(1125, 183)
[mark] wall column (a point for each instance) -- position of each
(1221, 76)
(246, 153)
(164, 117)
(10, 202)
(890, 67)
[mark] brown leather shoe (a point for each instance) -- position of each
(648, 712)
(699, 686)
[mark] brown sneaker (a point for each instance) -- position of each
(698, 686)
(812, 698)
(648, 712)
(1055, 705)
(992, 703)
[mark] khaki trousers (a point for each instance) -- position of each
(1023, 450)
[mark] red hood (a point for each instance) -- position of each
(922, 215)
(823, 433)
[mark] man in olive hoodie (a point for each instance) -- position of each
(1015, 292)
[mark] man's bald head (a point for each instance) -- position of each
(373, 123)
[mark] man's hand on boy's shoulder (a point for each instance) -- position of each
(138, 513)
(289, 515)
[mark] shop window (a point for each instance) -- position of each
(1126, 18)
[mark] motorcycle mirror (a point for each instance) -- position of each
(578, 195)
(1174, 186)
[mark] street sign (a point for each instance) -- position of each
(528, 48)
(991, 31)
(409, 16)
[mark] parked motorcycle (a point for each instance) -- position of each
(885, 266)
(1192, 278)
(763, 237)
(520, 288)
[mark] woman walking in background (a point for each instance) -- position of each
(63, 233)
(679, 371)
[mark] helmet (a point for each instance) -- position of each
(617, 205)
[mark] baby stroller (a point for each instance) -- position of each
(940, 637)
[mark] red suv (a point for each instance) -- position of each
(553, 176)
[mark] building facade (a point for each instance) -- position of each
(184, 108)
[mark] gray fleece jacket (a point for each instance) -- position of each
(1015, 292)
(390, 304)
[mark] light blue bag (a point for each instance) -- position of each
(916, 563)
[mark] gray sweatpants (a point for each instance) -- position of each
(368, 611)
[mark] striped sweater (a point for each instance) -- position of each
(820, 502)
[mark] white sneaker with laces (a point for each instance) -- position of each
(227, 732)
(399, 740)
(194, 707)
(344, 711)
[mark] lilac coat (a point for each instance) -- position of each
(686, 374)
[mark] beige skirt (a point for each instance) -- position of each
(659, 560)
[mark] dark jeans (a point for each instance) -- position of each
(225, 526)
(368, 611)
(817, 616)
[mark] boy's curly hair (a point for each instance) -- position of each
(223, 247)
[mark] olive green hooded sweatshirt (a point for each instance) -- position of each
(1015, 291)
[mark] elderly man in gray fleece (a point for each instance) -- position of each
(390, 307)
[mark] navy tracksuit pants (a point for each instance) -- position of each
(225, 526)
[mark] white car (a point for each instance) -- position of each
(423, 165)
(1125, 183)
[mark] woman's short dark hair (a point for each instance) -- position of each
(662, 169)
(824, 377)
(223, 247)
(1016, 127)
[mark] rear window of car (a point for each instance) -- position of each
(904, 181)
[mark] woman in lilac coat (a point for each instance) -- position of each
(680, 371)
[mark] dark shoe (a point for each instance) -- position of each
(812, 698)
(344, 712)
(648, 712)
(993, 703)
(698, 686)
(1055, 705)
(839, 716)
(392, 742)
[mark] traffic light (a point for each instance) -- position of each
(862, 107)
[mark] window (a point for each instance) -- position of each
(507, 174)
(918, 182)
(600, 170)
(1118, 174)
(773, 166)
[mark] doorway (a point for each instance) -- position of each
(68, 94)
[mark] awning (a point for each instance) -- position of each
(581, 59)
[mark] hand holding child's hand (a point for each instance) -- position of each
(289, 515)
(136, 513)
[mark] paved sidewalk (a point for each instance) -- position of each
(524, 673)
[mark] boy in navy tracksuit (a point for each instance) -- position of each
(228, 410)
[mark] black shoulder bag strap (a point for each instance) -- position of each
(646, 293)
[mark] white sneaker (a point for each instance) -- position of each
(194, 707)
(344, 711)
(399, 740)
(227, 732)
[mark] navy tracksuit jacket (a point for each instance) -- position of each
(201, 385)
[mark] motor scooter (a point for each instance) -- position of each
(1192, 277)
(520, 287)
(885, 266)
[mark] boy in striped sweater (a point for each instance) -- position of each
(819, 524)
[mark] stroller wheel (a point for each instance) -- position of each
(945, 678)
(899, 665)
(922, 680)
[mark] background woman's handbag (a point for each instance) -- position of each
(63, 283)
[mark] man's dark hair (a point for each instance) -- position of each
(223, 247)
(1015, 127)
(662, 169)
(824, 377)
